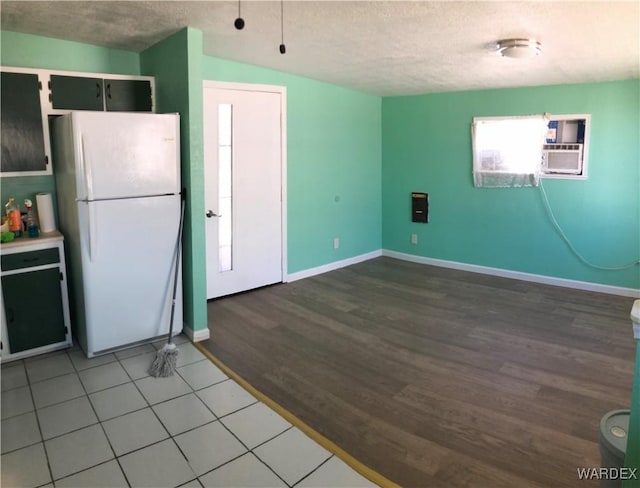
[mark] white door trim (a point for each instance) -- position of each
(282, 90)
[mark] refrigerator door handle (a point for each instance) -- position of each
(93, 245)
(86, 164)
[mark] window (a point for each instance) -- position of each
(225, 222)
(517, 151)
(507, 150)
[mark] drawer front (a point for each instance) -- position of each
(30, 259)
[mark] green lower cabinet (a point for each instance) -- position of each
(35, 301)
(33, 308)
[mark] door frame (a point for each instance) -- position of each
(282, 90)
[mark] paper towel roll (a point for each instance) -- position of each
(45, 212)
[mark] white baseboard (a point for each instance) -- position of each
(518, 275)
(307, 273)
(474, 268)
(196, 336)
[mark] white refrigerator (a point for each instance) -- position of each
(118, 191)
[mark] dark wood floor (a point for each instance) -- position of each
(436, 377)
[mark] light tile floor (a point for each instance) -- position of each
(69, 421)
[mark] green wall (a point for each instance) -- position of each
(28, 51)
(354, 158)
(334, 147)
(427, 147)
(176, 62)
(333, 164)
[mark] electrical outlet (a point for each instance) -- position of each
(336, 243)
(414, 238)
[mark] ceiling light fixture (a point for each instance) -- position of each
(283, 48)
(239, 22)
(519, 48)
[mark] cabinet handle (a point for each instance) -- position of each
(109, 90)
(98, 90)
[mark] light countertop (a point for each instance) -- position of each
(23, 241)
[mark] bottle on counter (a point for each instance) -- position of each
(32, 223)
(12, 209)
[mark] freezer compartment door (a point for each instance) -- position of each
(122, 155)
(128, 249)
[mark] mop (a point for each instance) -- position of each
(165, 362)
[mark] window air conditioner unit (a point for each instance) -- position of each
(563, 159)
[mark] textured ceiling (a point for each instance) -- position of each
(384, 48)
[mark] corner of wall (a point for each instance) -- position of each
(176, 63)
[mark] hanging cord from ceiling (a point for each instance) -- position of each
(283, 48)
(556, 225)
(239, 22)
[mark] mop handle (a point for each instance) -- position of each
(177, 267)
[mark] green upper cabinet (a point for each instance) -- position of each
(30, 97)
(76, 93)
(87, 93)
(21, 128)
(128, 95)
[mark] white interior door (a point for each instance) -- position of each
(243, 141)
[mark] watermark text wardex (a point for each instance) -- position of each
(607, 473)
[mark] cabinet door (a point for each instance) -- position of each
(128, 95)
(33, 307)
(76, 93)
(21, 123)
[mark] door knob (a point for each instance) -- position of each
(211, 214)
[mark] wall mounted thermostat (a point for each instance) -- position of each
(420, 207)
